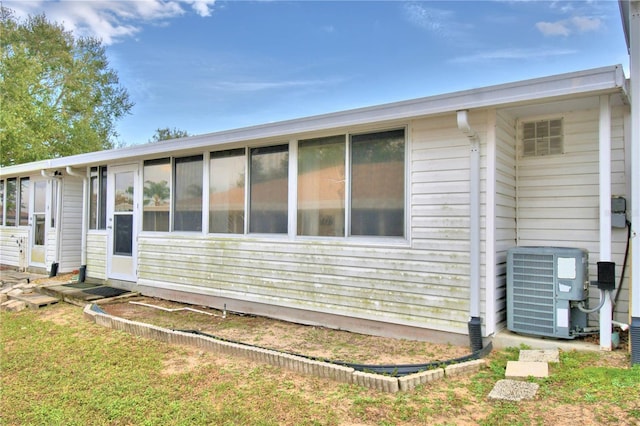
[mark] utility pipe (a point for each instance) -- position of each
(85, 220)
(475, 322)
(606, 312)
(634, 73)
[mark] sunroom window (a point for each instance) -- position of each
(377, 184)
(269, 187)
(11, 202)
(1, 202)
(226, 191)
(156, 195)
(321, 186)
(25, 191)
(542, 138)
(188, 175)
(98, 198)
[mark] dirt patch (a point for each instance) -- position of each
(285, 336)
(58, 279)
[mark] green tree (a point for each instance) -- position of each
(166, 134)
(58, 95)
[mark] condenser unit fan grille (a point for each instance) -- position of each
(533, 293)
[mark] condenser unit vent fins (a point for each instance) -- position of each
(533, 293)
(541, 283)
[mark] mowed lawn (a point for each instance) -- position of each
(59, 369)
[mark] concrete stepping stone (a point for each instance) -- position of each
(513, 390)
(524, 369)
(544, 355)
(35, 301)
(13, 306)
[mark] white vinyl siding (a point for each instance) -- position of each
(97, 255)
(10, 240)
(50, 256)
(396, 285)
(71, 225)
(505, 209)
(558, 196)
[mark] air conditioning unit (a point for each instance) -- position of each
(542, 283)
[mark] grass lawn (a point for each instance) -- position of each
(59, 369)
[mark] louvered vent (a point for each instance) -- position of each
(541, 282)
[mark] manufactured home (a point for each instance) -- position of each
(394, 219)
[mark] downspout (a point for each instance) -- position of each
(58, 214)
(475, 322)
(634, 73)
(606, 311)
(85, 221)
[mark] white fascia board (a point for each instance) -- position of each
(26, 168)
(593, 81)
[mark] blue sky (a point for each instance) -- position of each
(204, 65)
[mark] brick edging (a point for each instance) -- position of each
(290, 362)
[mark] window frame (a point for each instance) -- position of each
(99, 174)
(242, 153)
(24, 197)
(170, 183)
(290, 147)
(3, 190)
(11, 221)
(273, 148)
(176, 198)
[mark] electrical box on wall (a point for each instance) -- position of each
(618, 212)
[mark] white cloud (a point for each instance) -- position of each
(254, 86)
(511, 54)
(584, 23)
(202, 7)
(553, 28)
(565, 27)
(108, 20)
(436, 21)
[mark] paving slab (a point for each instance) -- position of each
(513, 390)
(35, 301)
(524, 369)
(540, 355)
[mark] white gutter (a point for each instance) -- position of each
(85, 216)
(474, 222)
(606, 312)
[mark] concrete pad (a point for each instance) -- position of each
(524, 369)
(540, 355)
(513, 390)
(508, 339)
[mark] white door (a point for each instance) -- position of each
(38, 223)
(122, 222)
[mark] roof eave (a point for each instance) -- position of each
(593, 81)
